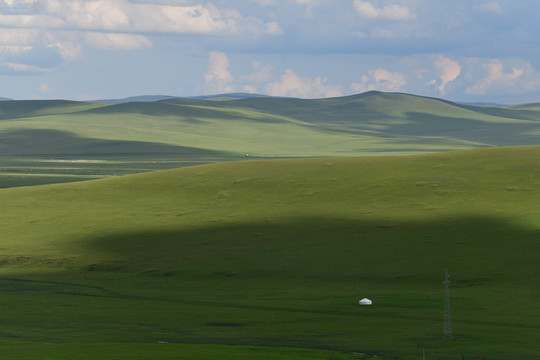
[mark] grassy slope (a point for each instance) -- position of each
(370, 122)
(45, 142)
(528, 106)
(36, 108)
(278, 252)
(401, 115)
(180, 132)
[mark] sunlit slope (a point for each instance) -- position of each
(224, 129)
(525, 107)
(278, 252)
(368, 123)
(402, 115)
(491, 183)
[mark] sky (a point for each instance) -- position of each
(460, 50)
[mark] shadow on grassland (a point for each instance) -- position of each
(309, 272)
(45, 142)
(497, 134)
(295, 283)
(10, 110)
(478, 249)
(192, 111)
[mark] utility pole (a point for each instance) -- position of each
(447, 335)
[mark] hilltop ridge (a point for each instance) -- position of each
(184, 131)
(371, 122)
(153, 98)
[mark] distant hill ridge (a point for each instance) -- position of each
(140, 98)
(368, 123)
(152, 98)
(237, 96)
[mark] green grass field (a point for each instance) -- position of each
(147, 136)
(268, 259)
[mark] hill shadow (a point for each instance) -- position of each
(51, 143)
(192, 111)
(223, 283)
(497, 134)
(480, 249)
(30, 108)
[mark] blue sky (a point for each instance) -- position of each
(462, 50)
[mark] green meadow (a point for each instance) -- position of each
(266, 259)
(52, 141)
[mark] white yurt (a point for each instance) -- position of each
(365, 301)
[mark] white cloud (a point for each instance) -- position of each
(127, 16)
(46, 89)
(390, 12)
(293, 85)
(31, 21)
(492, 6)
(307, 2)
(24, 68)
(19, 37)
(115, 41)
(381, 80)
(449, 71)
(265, 2)
(19, 2)
(218, 78)
(420, 73)
(13, 50)
(360, 35)
(166, 2)
(69, 51)
(249, 89)
(521, 79)
(273, 28)
(262, 73)
(65, 26)
(34, 50)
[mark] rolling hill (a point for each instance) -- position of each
(150, 135)
(141, 98)
(372, 122)
(275, 254)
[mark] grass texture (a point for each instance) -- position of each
(148, 136)
(265, 256)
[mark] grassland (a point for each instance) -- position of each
(147, 136)
(263, 259)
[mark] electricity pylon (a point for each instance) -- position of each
(447, 335)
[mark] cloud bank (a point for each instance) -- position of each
(126, 16)
(292, 85)
(390, 12)
(481, 50)
(449, 71)
(218, 78)
(32, 26)
(380, 80)
(520, 79)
